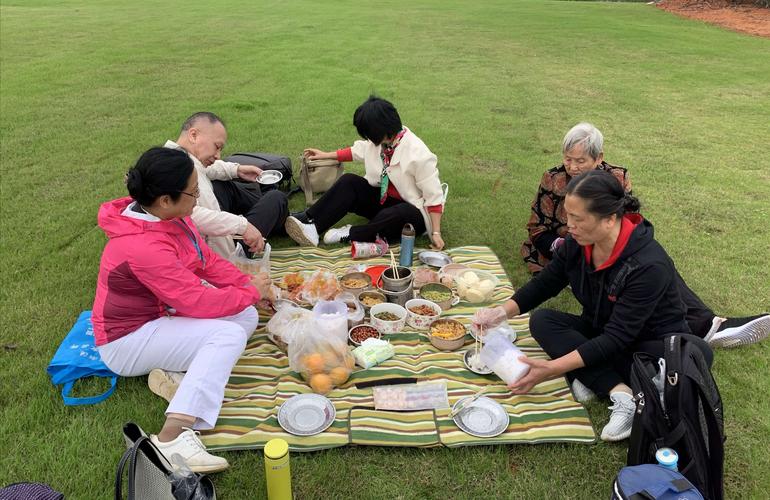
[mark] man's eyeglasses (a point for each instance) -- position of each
(194, 194)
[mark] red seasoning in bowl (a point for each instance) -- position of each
(363, 332)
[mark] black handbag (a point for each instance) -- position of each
(152, 477)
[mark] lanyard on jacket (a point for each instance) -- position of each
(191, 235)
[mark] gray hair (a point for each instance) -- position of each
(201, 115)
(586, 135)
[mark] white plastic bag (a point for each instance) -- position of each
(324, 361)
(286, 324)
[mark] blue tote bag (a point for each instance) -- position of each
(76, 358)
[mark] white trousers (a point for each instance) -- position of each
(206, 349)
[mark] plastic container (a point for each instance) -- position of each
(502, 357)
(331, 316)
(419, 396)
(355, 308)
(668, 458)
(476, 286)
(407, 246)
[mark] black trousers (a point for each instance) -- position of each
(353, 194)
(560, 333)
(698, 316)
(265, 211)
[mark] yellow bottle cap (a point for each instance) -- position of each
(276, 448)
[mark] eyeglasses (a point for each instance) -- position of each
(194, 194)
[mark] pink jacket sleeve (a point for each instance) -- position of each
(160, 270)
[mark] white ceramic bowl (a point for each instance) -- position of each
(383, 326)
(420, 321)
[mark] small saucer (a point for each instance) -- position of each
(268, 177)
(434, 259)
(306, 414)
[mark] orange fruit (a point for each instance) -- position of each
(314, 363)
(321, 383)
(331, 359)
(339, 375)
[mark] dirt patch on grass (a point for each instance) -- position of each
(743, 18)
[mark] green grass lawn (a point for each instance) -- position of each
(490, 86)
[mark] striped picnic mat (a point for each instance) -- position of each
(261, 381)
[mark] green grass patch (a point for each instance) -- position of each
(490, 86)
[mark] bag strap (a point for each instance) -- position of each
(303, 172)
(128, 458)
(90, 400)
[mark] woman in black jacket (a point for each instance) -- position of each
(626, 283)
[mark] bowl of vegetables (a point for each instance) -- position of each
(420, 313)
(438, 294)
(387, 317)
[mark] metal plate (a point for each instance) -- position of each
(483, 418)
(434, 259)
(466, 360)
(306, 414)
(270, 177)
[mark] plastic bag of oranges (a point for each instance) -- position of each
(325, 362)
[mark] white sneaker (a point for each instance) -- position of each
(188, 445)
(621, 418)
(305, 235)
(734, 332)
(337, 235)
(164, 383)
(582, 393)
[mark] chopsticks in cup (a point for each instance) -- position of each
(393, 264)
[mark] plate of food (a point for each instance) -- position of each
(268, 177)
(306, 414)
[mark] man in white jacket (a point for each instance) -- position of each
(225, 208)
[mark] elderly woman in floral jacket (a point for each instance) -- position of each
(547, 226)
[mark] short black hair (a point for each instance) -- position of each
(159, 171)
(377, 119)
(603, 193)
(211, 117)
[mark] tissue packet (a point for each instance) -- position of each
(372, 352)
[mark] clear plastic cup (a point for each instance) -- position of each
(331, 316)
(502, 357)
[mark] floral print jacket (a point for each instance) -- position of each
(548, 220)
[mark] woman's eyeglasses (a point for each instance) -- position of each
(194, 194)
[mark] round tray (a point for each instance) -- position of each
(434, 259)
(306, 414)
(466, 358)
(268, 177)
(483, 418)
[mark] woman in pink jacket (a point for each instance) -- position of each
(166, 303)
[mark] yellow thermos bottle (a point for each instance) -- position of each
(277, 471)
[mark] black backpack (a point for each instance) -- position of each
(267, 161)
(689, 420)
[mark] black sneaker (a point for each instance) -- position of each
(734, 332)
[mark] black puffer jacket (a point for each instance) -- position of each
(634, 299)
